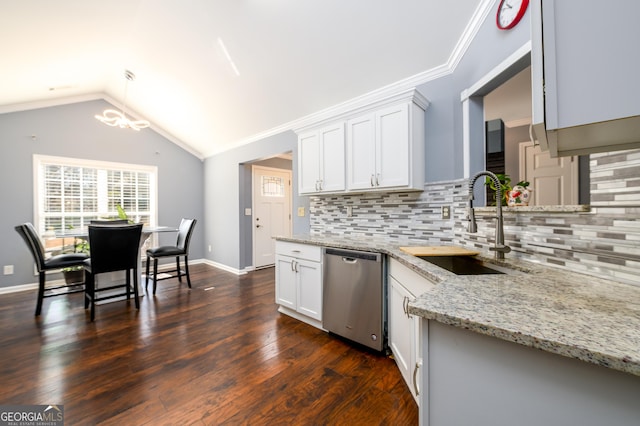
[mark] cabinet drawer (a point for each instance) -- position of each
(413, 282)
(300, 251)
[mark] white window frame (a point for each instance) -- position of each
(38, 182)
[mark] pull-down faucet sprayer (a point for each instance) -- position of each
(499, 246)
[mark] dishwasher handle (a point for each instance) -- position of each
(351, 256)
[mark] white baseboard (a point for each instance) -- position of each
(34, 286)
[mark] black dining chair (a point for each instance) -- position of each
(180, 249)
(113, 248)
(28, 233)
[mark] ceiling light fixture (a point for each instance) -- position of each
(114, 118)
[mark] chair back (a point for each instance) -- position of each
(114, 248)
(28, 233)
(109, 222)
(184, 234)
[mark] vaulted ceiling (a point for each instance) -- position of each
(293, 57)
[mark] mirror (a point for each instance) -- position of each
(554, 181)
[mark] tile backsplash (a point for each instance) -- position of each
(604, 241)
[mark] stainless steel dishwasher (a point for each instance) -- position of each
(353, 302)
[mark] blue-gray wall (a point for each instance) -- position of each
(72, 131)
(443, 120)
(228, 191)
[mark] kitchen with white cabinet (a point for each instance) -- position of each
(553, 338)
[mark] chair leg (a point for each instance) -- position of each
(128, 283)
(87, 289)
(186, 270)
(92, 292)
(178, 268)
(40, 293)
(155, 274)
(135, 288)
(146, 276)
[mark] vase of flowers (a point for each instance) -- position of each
(519, 195)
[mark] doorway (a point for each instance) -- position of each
(271, 215)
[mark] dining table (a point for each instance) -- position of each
(147, 232)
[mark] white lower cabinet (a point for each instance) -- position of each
(299, 281)
(404, 329)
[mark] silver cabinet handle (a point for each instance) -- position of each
(415, 378)
(296, 267)
(292, 267)
(371, 180)
(321, 184)
(317, 185)
(405, 306)
(377, 179)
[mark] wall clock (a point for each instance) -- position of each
(510, 12)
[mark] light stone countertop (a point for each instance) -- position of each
(562, 312)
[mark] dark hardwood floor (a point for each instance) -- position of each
(219, 353)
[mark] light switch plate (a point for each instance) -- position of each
(300, 211)
(247, 211)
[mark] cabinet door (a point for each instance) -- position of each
(401, 330)
(308, 163)
(332, 176)
(286, 294)
(309, 275)
(392, 142)
(361, 152)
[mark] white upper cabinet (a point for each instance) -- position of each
(321, 167)
(384, 149)
(584, 75)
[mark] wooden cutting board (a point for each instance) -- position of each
(439, 251)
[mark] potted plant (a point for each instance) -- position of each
(505, 186)
(519, 195)
(75, 274)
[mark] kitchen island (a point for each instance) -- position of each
(558, 347)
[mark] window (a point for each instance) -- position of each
(70, 192)
(272, 186)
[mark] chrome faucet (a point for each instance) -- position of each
(499, 246)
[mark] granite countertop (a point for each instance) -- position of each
(566, 313)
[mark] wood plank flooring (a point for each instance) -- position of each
(219, 353)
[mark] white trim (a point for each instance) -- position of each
(520, 53)
(19, 288)
(466, 140)
(38, 182)
(477, 19)
(222, 266)
(478, 86)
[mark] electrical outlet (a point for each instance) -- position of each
(445, 212)
(349, 211)
(8, 269)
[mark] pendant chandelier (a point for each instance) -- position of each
(114, 118)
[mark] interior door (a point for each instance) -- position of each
(271, 212)
(558, 176)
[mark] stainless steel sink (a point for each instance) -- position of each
(463, 265)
